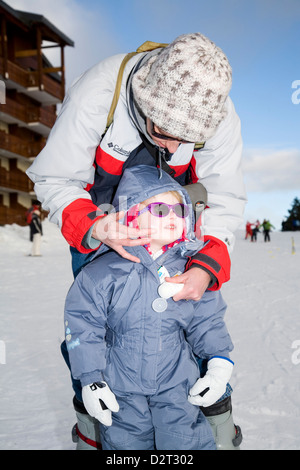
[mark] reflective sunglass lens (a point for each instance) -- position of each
(181, 210)
(160, 210)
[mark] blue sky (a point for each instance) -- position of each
(262, 41)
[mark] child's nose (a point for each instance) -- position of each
(172, 214)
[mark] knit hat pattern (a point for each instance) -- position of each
(184, 87)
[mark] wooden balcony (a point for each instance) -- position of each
(9, 215)
(40, 115)
(15, 181)
(36, 118)
(41, 87)
(12, 111)
(15, 146)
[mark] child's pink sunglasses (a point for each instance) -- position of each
(162, 209)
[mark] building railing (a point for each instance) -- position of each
(15, 109)
(18, 146)
(29, 78)
(16, 180)
(42, 115)
(28, 114)
(9, 215)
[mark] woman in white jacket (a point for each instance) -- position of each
(171, 98)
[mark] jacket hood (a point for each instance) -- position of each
(141, 182)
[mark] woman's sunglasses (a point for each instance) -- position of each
(161, 209)
(165, 137)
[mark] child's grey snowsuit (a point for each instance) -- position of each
(115, 332)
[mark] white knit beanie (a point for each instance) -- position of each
(183, 88)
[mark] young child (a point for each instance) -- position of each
(131, 348)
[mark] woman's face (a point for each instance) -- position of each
(170, 145)
(168, 228)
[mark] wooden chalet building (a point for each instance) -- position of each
(30, 89)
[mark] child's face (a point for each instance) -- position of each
(168, 228)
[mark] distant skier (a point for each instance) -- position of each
(255, 230)
(266, 225)
(33, 219)
(248, 230)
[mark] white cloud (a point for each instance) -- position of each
(272, 170)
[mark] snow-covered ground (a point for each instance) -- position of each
(263, 318)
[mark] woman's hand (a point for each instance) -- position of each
(115, 235)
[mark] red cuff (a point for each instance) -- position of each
(215, 259)
(77, 219)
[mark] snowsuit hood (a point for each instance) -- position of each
(141, 182)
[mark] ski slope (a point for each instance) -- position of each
(263, 318)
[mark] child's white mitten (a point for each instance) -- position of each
(99, 402)
(212, 386)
